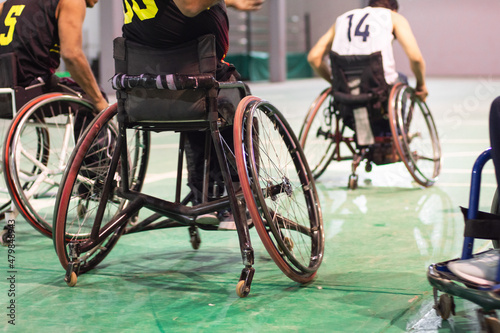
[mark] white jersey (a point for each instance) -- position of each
(365, 31)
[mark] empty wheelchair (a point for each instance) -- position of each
(41, 124)
(478, 225)
(360, 117)
(101, 193)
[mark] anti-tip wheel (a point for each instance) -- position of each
(72, 280)
(4, 237)
(446, 306)
(492, 324)
(242, 290)
(194, 238)
(353, 183)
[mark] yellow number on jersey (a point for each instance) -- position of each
(142, 13)
(10, 21)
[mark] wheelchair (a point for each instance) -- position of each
(101, 192)
(39, 123)
(360, 117)
(478, 225)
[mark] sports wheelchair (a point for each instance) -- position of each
(478, 225)
(42, 123)
(100, 196)
(360, 117)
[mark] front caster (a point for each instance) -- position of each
(353, 182)
(488, 320)
(4, 240)
(194, 237)
(71, 281)
(243, 286)
(71, 276)
(445, 306)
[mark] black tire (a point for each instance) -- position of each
(279, 189)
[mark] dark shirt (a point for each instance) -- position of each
(169, 27)
(29, 29)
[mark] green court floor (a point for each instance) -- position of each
(380, 240)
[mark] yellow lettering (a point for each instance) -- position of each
(142, 13)
(10, 21)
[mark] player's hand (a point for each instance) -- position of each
(421, 93)
(245, 5)
(101, 105)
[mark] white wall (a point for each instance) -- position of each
(456, 37)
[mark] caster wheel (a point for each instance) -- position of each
(195, 238)
(72, 281)
(492, 324)
(445, 306)
(353, 183)
(4, 240)
(242, 290)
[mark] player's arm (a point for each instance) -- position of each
(405, 36)
(70, 15)
(1, 7)
(319, 52)
(191, 8)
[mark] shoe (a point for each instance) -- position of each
(227, 222)
(207, 219)
(481, 269)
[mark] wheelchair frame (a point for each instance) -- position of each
(276, 224)
(442, 279)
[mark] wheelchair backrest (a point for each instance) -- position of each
(8, 70)
(359, 75)
(149, 105)
(12, 96)
(359, 92)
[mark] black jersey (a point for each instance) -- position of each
(159, 23)
(29, 28)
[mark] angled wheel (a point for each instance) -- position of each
(39, 141)
(87, 196)
(415, 135)
(316, 133)
(278, 188)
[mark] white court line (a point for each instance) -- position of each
(466, 171)
(463, 154)
(465, 141)
(440, 184)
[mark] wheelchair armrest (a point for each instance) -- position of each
(349, 99)
(168, 82)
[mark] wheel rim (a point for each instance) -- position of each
(283, 203)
